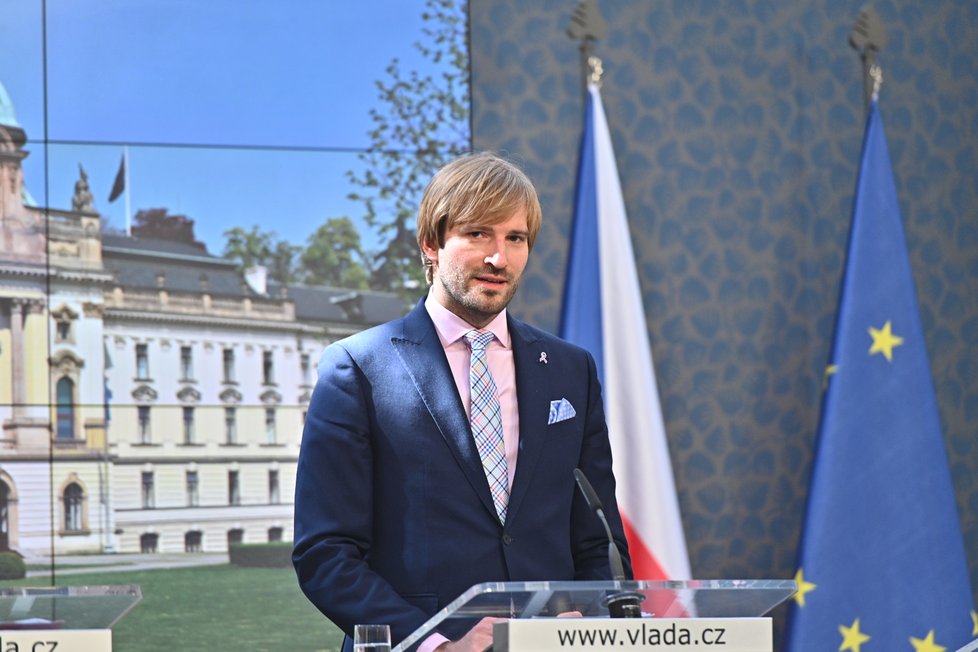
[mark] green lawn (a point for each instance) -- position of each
(211, 608)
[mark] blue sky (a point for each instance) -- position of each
(229, 75)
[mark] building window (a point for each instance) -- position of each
(142, 417)
(186, 363)
(193, 540)
(4, 516)
(270, 435)
(149, 492)
(66, 408)
(149, 543)
(228, 365)
(304, 367)
(234, 488)
(230, 425)
(73, 502)
(63, 330)
(274, 494)
(188, 425)
(193, 489)
(142, 362)
(235, 536)
(274, 534)
(267, 368)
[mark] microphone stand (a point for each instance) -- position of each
(623, 604)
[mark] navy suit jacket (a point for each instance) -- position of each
(393, 515)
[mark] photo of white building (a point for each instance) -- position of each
(152, 394)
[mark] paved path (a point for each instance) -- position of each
(64, 564)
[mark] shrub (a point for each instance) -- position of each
(261, 555)
(12, 567)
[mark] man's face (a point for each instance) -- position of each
(477, 271)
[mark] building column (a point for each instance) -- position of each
(18, 387)
(29, 428)
(36, 358)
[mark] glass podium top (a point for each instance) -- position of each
(66, 607)
(659, 599)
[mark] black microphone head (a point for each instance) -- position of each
(590, 495)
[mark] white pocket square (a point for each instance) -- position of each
(561, 411)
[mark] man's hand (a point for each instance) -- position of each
(477, 639)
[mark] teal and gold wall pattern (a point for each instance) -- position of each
(737, 128)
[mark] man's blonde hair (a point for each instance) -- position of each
(479, 188)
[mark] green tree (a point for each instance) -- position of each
(257, 247)
(283, 264)
(421, 125)
(333, 256)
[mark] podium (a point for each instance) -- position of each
(681, 615)
(66, 619)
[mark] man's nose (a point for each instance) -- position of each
(497, 257)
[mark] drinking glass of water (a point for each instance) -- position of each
(372, 638)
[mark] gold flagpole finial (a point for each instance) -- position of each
(868, 37)
(595, 70)
(877, 75)
(587, 26)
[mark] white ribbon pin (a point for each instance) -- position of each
(543, 357)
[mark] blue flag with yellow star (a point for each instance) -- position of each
(882, 564)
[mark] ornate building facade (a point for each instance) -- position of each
(151, 396)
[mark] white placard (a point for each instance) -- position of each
(55, 640)
(648, 634)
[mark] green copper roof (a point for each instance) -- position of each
(7, 117)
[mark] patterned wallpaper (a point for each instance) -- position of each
(737, 126)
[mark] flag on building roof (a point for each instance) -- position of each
(881, 563)
(119, 185)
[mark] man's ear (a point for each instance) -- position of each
(431, 253)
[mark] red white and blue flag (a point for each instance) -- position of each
(603, 312)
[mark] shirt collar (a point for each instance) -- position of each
(451, 328)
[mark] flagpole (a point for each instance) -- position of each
(125, 158)
(881, 557)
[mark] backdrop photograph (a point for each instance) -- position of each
(761, 220)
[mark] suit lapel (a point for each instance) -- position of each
(423, 356)
(534, 408)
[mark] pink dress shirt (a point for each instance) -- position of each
(451, 332)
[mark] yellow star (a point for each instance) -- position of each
(852, 638)
(803, 587)
(884, 341)
(974, 622)
(830, 371)
(926, 644)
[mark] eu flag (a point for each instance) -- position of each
(882, 564)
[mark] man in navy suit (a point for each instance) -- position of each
(396, 511)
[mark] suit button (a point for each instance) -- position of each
(507, 539)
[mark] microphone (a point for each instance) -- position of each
(622, 604)
(594, 503)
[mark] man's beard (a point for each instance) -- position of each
(477, 306)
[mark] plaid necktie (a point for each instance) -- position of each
(486, 420)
